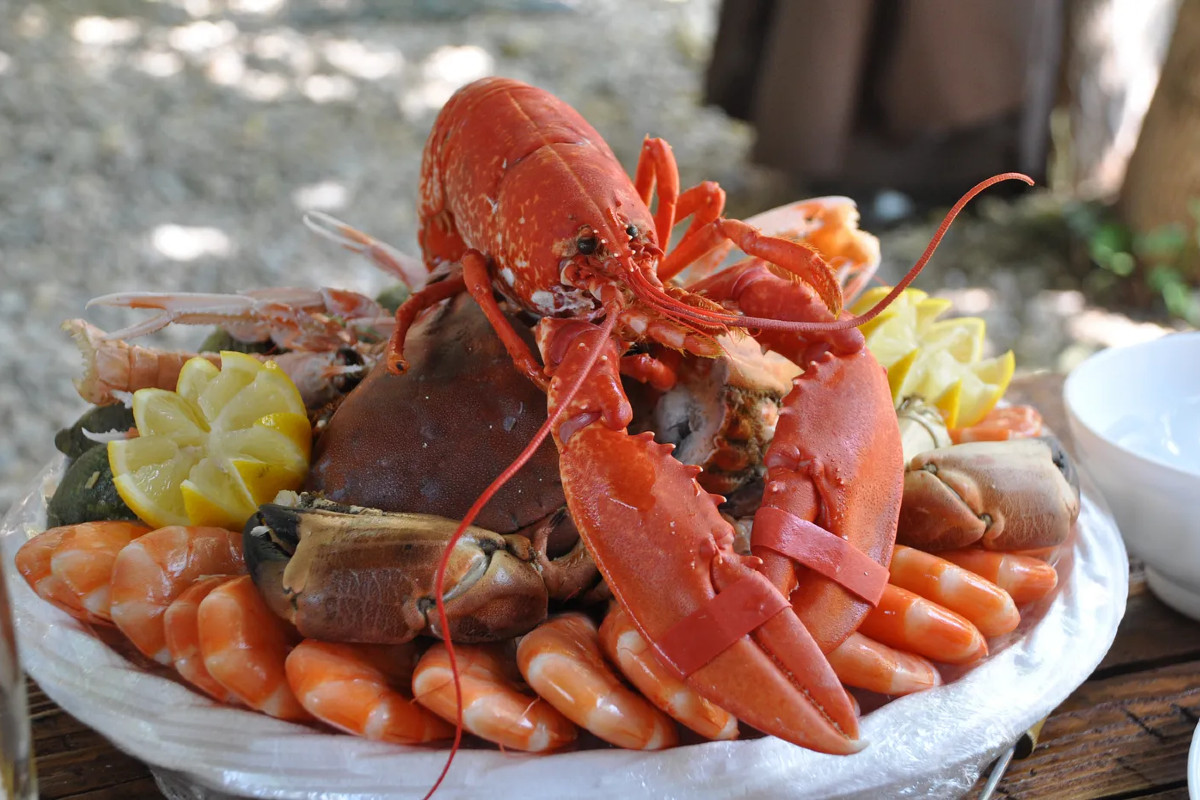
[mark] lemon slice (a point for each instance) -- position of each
(226, 441)
(939, 361)
(983, 385)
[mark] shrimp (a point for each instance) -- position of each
(84, 558)
(33, 562)
(363, 689)
(986, 605)
(1001, 424)
(151, 571)
(867, 664)
(245, 645)
(1025, 578)
(293, 318)
(909, 622)
(183, 638)
(112, 367)
(627, 648)
(561, 661)
(493, 706)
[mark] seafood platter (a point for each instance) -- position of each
(568, 507)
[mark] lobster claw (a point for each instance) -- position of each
(1019, 494)
(666, 554)
(312, 562)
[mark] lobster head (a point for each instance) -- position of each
(513, 171)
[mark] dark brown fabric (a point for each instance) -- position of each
(921, 95)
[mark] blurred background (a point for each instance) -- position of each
(166, 145)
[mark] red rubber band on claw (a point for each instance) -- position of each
(821, 551)
(732, 613)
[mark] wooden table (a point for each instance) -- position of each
(1124, 734)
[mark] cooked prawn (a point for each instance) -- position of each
(183, 638)
(1026, 579)
(493, 706)
(83, 560)
(1000, 424)
(627, 648)
(561, 661)
(33, 562)
(151, 571)
(985, 604)
(245, 646)
(867, 664)
(909, 622)
(363, 689)
(113, 368)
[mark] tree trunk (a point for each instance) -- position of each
(1162, 185)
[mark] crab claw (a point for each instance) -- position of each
(1012, 495)
(312, 564)
(667, 556)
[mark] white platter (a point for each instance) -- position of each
(932, 744)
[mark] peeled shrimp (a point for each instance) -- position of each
(909, 622)
(561, 661)
(245, 646)
(84, 558)
(626, 648)
(1025, 579)
(867, 664)
(493, 706)
(183, 638)
(151, 571)
(363, 689)
(33, 562)
(986, 605)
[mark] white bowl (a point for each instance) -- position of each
(1153, 492)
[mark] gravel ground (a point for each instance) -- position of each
(172, 145)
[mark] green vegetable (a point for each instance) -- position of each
(87, 493)
(71, 441)
(221, 339)
(391, 297)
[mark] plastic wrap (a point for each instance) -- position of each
(930, 745)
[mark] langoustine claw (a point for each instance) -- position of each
(1010, 495)
(294, 318)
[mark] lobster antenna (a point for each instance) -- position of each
(440, 581)
(678, 308)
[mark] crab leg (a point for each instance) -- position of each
(667, 555)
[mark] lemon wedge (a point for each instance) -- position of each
(225, 441)
(939, 360)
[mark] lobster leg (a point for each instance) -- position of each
(835, 467)
(704, 202)
(790, 256)
(667, 556)
(656, 167)
(479, 284)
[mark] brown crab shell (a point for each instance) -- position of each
(431, 440)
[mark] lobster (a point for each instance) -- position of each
(521, 197)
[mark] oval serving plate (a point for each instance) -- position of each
(932, 744)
